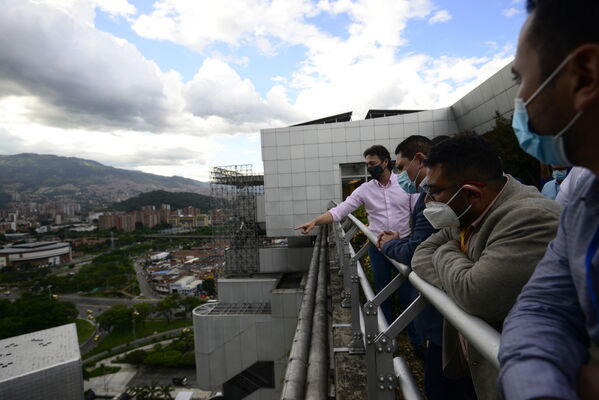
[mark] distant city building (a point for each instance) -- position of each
(159, 256)
(187, 286)
(7, 226)
(122, 222)
(36, 253)
(190, 220)
(42, 365)
(149, 217)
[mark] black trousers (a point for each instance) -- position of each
(437, 386)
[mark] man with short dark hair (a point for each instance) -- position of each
(410, 157)
(493, 231)
(388, 208)
(545, 339)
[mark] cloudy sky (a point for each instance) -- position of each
(175, 86)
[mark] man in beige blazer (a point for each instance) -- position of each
(494, 230)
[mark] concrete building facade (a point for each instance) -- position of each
(306, 166)
(42, 365)
(243, 341)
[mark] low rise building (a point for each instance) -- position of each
(187, 286)
(42, 365)
(36, 253)
(159, 256)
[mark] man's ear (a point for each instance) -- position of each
(473, 192)
(420, 157)
(585, 73)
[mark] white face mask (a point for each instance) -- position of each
(440, 215)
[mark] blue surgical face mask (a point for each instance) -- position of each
(560, 175)
(547, 149)
(405, 182)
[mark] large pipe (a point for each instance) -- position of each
(295, 376)
(318, 366)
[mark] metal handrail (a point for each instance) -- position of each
(480, 334)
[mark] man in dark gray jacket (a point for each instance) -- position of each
(544, 344)
(410, 157)
(494, 230)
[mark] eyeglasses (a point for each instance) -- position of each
(430, 194)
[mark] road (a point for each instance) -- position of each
(144, 286)
(102, 301)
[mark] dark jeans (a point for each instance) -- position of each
(437, 386)
(384, 271)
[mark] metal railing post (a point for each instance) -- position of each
(356, 345)
(385, 372)
(371, 330)
(346, 294)
(339, 244)
(347, 268)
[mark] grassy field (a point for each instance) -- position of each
(151, 326)
(84, 329)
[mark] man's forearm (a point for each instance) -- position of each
(323, 219)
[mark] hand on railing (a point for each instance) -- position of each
(385, 237)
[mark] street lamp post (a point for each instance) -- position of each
(50, 292)
(135, 314)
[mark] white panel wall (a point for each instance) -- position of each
(476, 111)
(283, 259)
(245, 290)
(301, 164)
(62, 381)
(225, 345)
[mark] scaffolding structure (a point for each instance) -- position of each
(233, 191)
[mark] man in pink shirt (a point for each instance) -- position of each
(389, 208)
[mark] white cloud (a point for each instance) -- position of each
(217, 90)
(84, 10)
(510, 12)
(440, 16)
(69, 89)
(197, 24)
(145, 151)
(81, 76)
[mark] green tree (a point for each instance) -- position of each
(118, 317)
(191, 302)
(136, 357)
(144, 309)
(165, 307)
(32, 313)
(209, 286)
(165, 391)
(515, 161)
(188, 360)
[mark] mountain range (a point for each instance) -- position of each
(177, 200)
(42, 177)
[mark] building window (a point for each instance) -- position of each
(352, 176)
